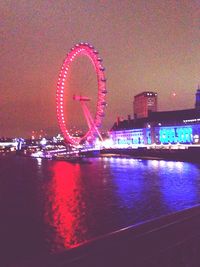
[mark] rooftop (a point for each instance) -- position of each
(166, 117)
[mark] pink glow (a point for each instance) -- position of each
(87, 50)
(63, 189)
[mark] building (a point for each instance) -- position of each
(166, 127)
(144, 103)
(197, 102)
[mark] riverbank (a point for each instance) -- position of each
(191, 154)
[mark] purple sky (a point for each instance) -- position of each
(145, 45)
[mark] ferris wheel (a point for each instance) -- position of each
(93, 123)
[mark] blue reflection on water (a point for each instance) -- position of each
(155, 187)
(129, 184)
(179, 186)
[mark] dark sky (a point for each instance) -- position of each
(145, 45)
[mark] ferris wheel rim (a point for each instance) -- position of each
(89, 51)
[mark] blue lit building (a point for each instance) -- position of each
(128, 137)
(167, 127)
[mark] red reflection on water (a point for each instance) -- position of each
(66, 204)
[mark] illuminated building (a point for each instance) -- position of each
(166, 127)
(170, 127)
(144, 103)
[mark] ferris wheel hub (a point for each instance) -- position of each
(81, 98)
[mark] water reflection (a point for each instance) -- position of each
(179, 185)
(86, 201)
(130, 184)
(147, 187)
(66, 204)
(48, 206)
(39, 161)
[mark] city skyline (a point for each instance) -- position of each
(145, 45)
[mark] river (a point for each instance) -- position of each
(49, 206)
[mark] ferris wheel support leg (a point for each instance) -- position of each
(86, 111)
(90, 120)
(94, 126)
(96, 129)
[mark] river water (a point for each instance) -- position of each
(49, 206)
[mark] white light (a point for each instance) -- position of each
(43, 142)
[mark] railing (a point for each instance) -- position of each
(168, 241)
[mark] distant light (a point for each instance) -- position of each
(43, 142)
(173, 94)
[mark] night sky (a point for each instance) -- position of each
(145, 45)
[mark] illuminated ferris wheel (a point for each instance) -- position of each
(93, 123)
